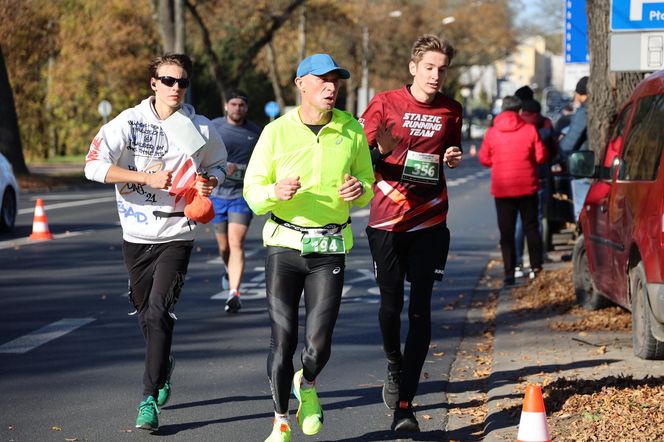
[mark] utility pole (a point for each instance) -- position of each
(302, 39)
(364, 96)
(52, 147)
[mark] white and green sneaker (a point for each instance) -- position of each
(148, 415)
(281, 432)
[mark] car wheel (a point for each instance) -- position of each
(645, 345)
(8, 211)
(586, 294)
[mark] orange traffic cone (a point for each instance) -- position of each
(533, 426)
(40, 224)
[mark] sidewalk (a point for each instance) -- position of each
(526, 350)
(57, 168)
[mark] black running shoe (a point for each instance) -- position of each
(233, 304)
(404, 419)
(391, 386)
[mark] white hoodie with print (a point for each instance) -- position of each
(136, 140)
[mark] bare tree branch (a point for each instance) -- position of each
(215, 65)
(252, 51)
(273, 73)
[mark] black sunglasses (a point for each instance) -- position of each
(170, 81)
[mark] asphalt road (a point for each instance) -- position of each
(71, 358)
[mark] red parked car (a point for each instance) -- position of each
(619, 254)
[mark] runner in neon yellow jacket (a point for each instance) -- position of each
(308, 168)
(287, 147)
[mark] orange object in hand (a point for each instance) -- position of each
(199, 208)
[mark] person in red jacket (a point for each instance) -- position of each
(512, 149)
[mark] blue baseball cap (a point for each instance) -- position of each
(320, 64)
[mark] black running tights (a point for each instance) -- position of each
(287, 274)
(415, 255)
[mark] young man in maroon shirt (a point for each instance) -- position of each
(415, 131)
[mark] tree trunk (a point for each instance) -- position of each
(213, 61)
(274, 77)
(10, 140)
(606, 90)
(166, 21)
(351, 96)
(179, 26)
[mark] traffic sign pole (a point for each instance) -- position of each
(104, 108)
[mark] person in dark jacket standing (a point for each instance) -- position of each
(577, 137)
(512, 149)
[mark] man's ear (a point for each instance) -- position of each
(299, 83)
(412, 67)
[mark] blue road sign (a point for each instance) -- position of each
(637, 15)
(576, 32)
(272, 109)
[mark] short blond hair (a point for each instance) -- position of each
(431, 43)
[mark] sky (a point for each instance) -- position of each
(530, 11)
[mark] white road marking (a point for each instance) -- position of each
(367, 275)
(87, 202)
(27, 241)
(360, 213)
(25, 343)
(73, 196)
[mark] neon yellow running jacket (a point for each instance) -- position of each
(288, 148)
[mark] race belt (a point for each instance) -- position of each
(328, 229)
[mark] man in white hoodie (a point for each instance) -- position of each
(153, 154)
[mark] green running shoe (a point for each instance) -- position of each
(281, 432)
(165, 391)
(148, 412)
(309, 413)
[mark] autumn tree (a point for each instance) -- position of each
(64, 57)
(108, 59)
(10, 139)
(27, 43)
(232, 37)
(607, 90)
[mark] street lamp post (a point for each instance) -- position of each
(365, 96)
(364, 85)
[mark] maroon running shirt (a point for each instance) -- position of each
(410, 190)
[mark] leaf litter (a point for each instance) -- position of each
(613, 408)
